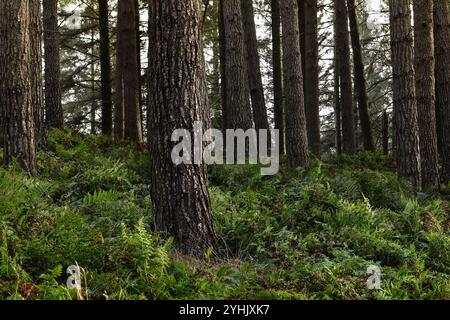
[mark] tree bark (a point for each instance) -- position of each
(311, 73)
(337, 94)
(254, 67)
(360, 78)
(181, 204)
(127, 77)
(105, 66)
(296, 136)
(425, 91)
(405, 105)
(53, 107)
(16, 88)
(343, 48)
(277, 74)
(442, 56)
(238, 112)
(302, 29)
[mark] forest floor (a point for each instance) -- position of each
(319, 233)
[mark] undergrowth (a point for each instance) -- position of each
(302, 234)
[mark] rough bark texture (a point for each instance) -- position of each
(53, 107)
(360, 78)
(127, 74)
(181, 203)
(405, 105)
(254, 67)
(223, 73)
(16, 90)
(425, 91)
(278, 108)
(238, 108)
(442, 55)
(36, 72)
(343, 50)
(311, 73)
(296, 136)
(105, 66)
(301, 28)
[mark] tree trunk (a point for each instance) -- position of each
(343, 48)
(223, 63)
(254, 67)
(181, 204)
(105, 66)
(302, 29)
(360, 79)
(278, 108)
(442, 56)
(311, 73)
(425, 91)
(405, 105)
(238, 112)
(296, 136)
(127, 77)
(53, 107)
(16, 89)
(36, 72)
(337, 94)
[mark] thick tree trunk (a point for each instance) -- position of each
(337, 94)
(405, 104)
(425, 91)
(278, 108)
(53, 107)
(238, 112)
(223, 63)
(302, 29)
(181, 204)
(296, 136)
(442, 55)
(105, 66)
(16, 89)
(360, 79)
(311, 73)
(127, 77)
(343, 48)
(36, 72)
(254, 67)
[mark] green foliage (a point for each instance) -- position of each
(302, 234)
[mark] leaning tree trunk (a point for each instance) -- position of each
(425, 91)
(17, 63)
(360, 78)
(442, 54)
(254, 67)
(181, 204)
(53, 107)
(238, 108)
(296, 136)
(311, 73)
(128, 115)
(278, 108)
(343, 50)
(105, 66)
(405, 105)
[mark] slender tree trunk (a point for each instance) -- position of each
(254, 67)
(405, 105)
(105, 65)
(36, 56)
(360, 78)
(442, 55)
(138, 57)
(278, 108)
(296, 136)
(311, 73)
(337, 94)
(223, 63)
(425, 91)
(53, 107)
(239, 112)
(181, 203)
(16, 88)
(127, 77)
(343, 48)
